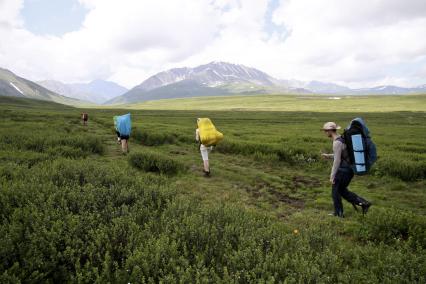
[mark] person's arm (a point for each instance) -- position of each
(197, 135)
(337, 150)
(327, 156)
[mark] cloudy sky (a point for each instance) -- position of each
(353, 42)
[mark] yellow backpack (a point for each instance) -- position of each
(208, 134)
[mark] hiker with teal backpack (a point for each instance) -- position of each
(353, 153)
(123, 125)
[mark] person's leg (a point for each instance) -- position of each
(350, 196)
(206, 166)
(123, 145)
(205, 157)
(337, 199)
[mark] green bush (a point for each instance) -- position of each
(42, 142)
(66, 152)
(87, 143)
(58, 230)
(154, 162)
(27, 158)
(283, 153)
(391, 226)
(406, 170)
(153, 137)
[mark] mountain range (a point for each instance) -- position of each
(14, 86)
(97, 91)
(212, 79)
(226, 79)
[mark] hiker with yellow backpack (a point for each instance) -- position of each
(208, 137)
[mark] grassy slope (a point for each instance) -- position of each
(19, 103)
(313, 103)
(297, 195)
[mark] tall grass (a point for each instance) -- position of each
(153, 162)
(283, 153)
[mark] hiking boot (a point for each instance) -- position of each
(365, 206)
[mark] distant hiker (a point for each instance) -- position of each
(124, 128)
(84, 118)
(208, 137)
(341, 172)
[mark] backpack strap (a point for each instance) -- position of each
(341, 139)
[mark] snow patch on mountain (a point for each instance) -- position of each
(16, 87)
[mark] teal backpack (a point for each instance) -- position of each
(361, 149)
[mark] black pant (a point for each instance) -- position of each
(340, 189)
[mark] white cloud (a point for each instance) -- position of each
(353, 42)
(9, 13)
(115, 36)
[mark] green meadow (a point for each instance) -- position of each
(310, 103)
(74, 209)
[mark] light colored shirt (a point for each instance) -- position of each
(338, 148)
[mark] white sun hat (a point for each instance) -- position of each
(330, 126)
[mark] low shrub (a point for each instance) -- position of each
(70, 172)
(10, 171)
(42, 142)
(87, 143)
(155, 162)
(27, 158)
(406, 170)
(390, 226)
(66, 152)
(153, 137)
(286, 154)
(86, 221)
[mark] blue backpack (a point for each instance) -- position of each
(361, 149)
(124, 124)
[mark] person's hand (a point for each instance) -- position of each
(326, 156)
(332, 180)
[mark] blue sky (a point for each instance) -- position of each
(46, 17)
(270, 27)
(57, 17)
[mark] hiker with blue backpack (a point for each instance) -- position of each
(353, 153)
(123, 126)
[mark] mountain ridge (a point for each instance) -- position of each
(226, 79)
(12, 85)
(97, 91)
